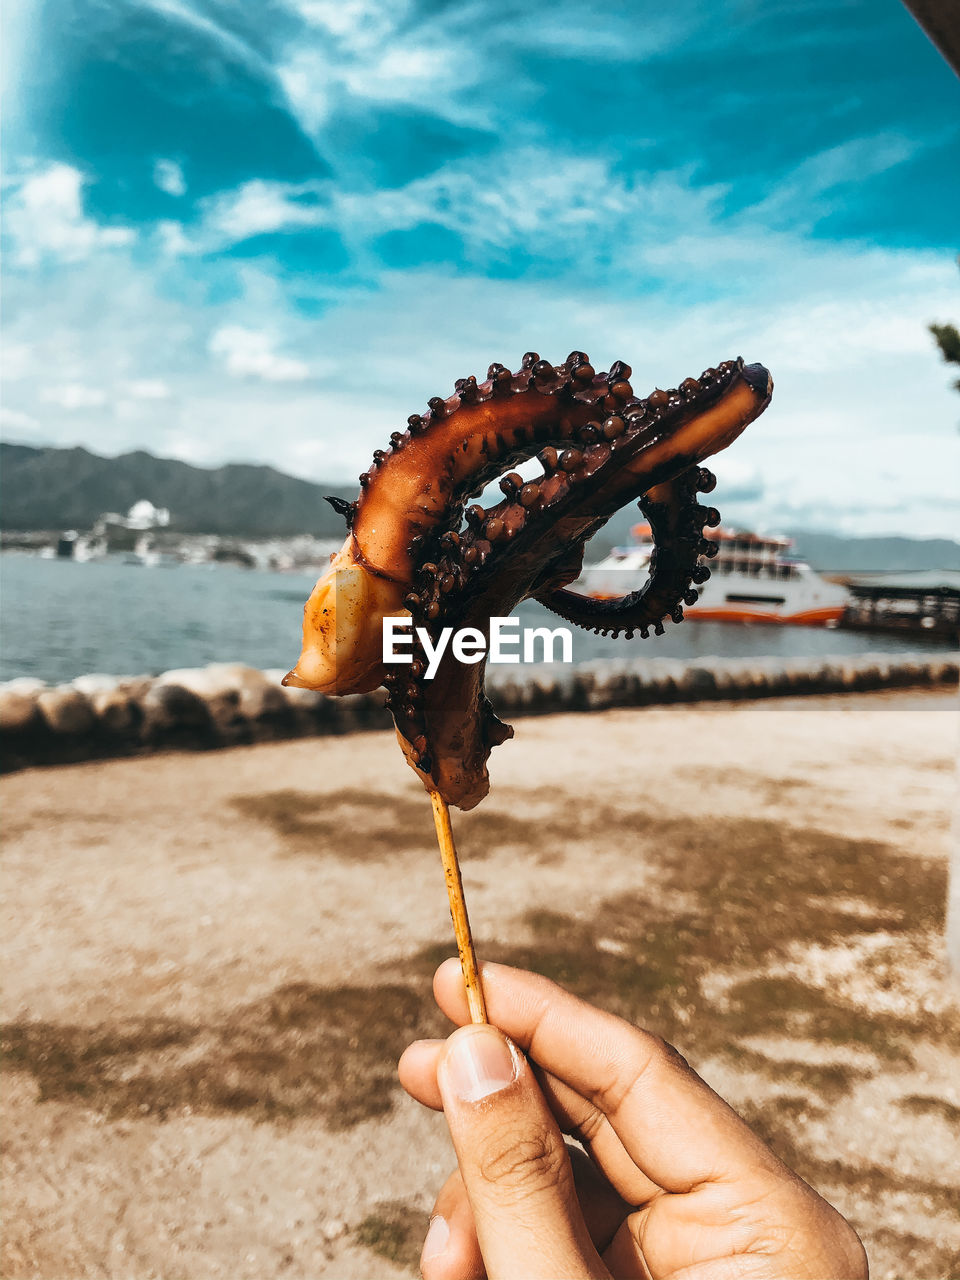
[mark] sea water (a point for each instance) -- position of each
(62, 618)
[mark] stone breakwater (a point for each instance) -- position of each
(224, 705)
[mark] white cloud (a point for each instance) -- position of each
(249, 353)
(818, 181)
(45, 219)
(147, 389)
(378, 53)
(446, 61)
(358, 25)
(259, 207)
(861, 433)
(18, 360)
(229, 45)
(16, 420)
(172, 240)
(168, 176)
(564, 200)
(306, 84)
(73, 396)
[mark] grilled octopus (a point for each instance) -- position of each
(414, 547)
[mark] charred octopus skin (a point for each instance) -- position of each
(415, 547)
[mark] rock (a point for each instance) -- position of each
(93, 684)
(912, 671)
(303, 699)
(118, 715)
(28, 686)
(25, 736)
(797, 676)
(18, 712)
(66, 710)
(699, 683)
(361, 711)
(509, 694)
(259, 698)
(663, 682)
(726, 679)
(772, 674)
(549, 690)
(228, 703)
(204, 682)
(218, 686)
(136, 687)
(172, 707)
(263, 708)
(611, 684)
(943, 670)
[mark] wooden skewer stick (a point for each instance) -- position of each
(458, 908)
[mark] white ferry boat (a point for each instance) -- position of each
(753, 579)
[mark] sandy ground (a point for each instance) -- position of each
(211, 963)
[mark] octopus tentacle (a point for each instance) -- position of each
(415, 547)
(342, 507)
(676, 522)
(465, 441)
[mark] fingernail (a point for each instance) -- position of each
(438, 1233)
(479, 1064)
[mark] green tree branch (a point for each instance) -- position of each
(948, 340)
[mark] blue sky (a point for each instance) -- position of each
(271, 231)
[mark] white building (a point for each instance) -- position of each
(144, 515)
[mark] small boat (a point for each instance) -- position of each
(753, 579)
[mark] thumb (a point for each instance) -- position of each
(513, 1161)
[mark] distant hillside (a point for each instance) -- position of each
(69, 488)
(830, 551)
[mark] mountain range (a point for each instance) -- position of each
(48, 488)
(54, 489)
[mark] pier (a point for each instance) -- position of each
(925, 602)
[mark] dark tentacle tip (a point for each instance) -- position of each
(757, 378)
(342, 507)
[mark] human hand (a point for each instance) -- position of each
(674, 1185)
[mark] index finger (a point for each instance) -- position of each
(677, 1130)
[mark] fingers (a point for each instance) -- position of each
(575, 1115)
(513, 1162)
(603, 1209)
(579, 1117)
(417, 1070)
(675, 1129)
(451, 1250)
